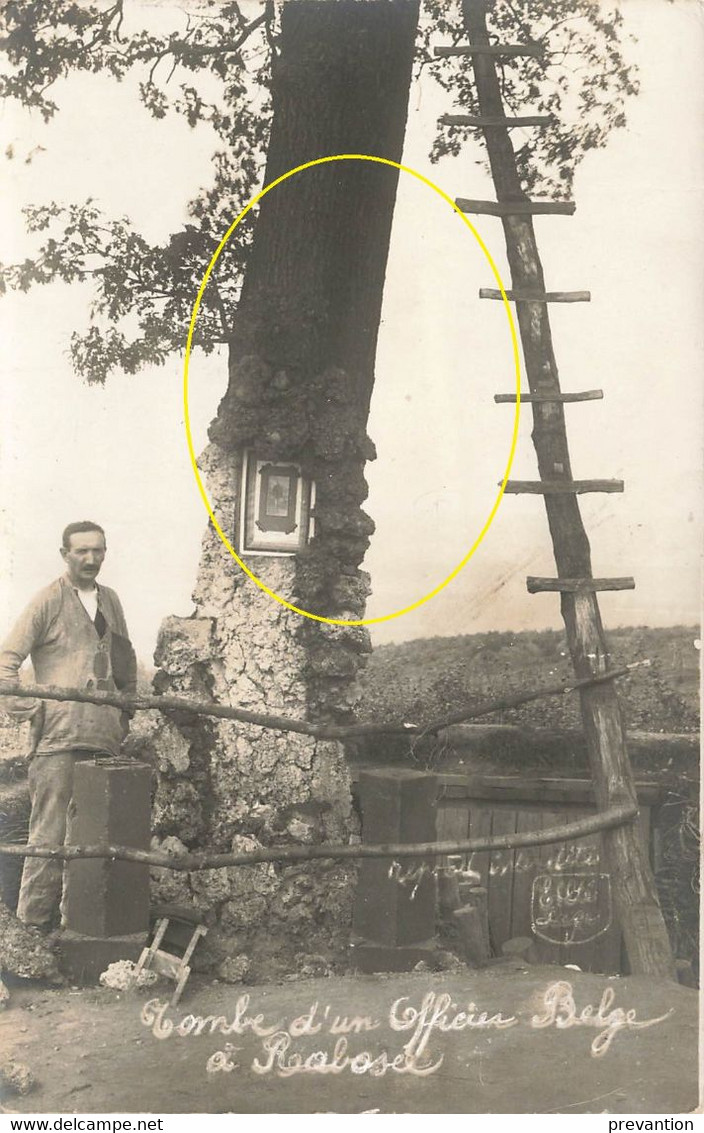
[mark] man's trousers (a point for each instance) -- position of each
(50, 791)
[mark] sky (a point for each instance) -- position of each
(118, 454)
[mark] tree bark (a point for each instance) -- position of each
(314, 279)
(305, 333)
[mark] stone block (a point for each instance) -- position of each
(111, 804)
(396, 907)
(184, 642)
(82, 958)
(178, 808)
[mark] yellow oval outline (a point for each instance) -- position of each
(189, 343)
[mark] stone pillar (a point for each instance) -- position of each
(232, 786)
(106, 903)
(395, 902)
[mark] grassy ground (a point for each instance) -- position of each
(431, 676)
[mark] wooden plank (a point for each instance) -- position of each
(534, 788)
(581, 954)
(586, 856)
(560, 487)
(577, 863)
(516, 295)
(526, 865)
(603, 953)
(516, 208)
(486, 123)
(543, 398)
(443, 818)
(608, 952)
(477, 897)
(495, 50)
(574, 863)
(480, 827)
(500, 886)
(546, 952)
(453, 824)
(572, 585)
(518, 788)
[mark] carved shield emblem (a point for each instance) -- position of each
(571, 908)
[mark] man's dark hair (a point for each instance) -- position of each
(78, 529)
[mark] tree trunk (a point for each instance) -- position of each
(301, 375)
(302, 355)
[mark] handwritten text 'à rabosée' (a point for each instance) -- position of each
(285, 1047)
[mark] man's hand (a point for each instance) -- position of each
(21, 709)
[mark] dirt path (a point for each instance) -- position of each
(91, 1052)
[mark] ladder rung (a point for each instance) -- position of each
(560, 487)
(577, 585)
(586, 395)
(516, 208)
(537, 297)
(496, 49)
(489, 121)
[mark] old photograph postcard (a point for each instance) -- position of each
(351, 518)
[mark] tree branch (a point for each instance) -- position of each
(221, 311)
(183, 47)
(302, 727)
(205, 859)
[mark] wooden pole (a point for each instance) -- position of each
(562, 487)
(516, 208)
(489, 123)
(287, 723)
(536, 50)
(478, 897)
(472, 939)
(206, 859)
(633, 885)
(535, 295)
(545, 585)
(585, 395)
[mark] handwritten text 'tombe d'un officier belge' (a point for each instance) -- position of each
(437, 1014)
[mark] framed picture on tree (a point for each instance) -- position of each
(276, 507)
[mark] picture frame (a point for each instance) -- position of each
(277, 503)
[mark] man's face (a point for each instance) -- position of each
(84, 558)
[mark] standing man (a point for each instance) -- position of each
(76, 635)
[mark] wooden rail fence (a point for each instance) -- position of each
(205, 859)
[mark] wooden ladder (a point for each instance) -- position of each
(633, 885)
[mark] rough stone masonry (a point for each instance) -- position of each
(228, 785)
